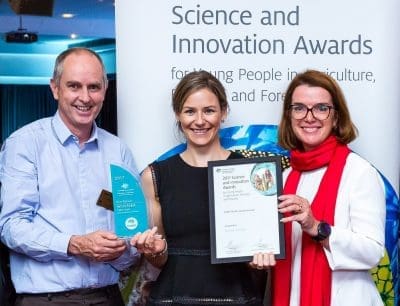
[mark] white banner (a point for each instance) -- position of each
(255, 48)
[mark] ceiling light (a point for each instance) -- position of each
(73, 35)
(67, 15)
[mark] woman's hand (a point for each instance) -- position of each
(301, 212)
(149, 242)
(262, 261)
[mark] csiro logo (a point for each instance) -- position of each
(131, 223)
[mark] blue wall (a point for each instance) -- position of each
(32, 63)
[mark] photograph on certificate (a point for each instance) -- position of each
(244, 217)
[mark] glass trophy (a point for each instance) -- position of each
(129, 204)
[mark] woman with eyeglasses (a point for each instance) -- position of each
(333, 202)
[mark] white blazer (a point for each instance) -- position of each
(358, 235)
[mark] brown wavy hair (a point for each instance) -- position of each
(195, 81)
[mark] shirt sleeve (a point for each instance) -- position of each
(20, 204)
(129, 258)
(359, 245)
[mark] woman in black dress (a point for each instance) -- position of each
(177, 194)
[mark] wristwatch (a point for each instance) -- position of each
(324, 230)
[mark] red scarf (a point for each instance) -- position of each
(316, 276)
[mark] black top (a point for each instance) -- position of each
(188, 277)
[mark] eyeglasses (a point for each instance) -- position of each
(319, 111)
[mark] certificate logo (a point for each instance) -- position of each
(131, 223)
(262, 178)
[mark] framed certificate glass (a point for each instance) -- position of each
(244, 217)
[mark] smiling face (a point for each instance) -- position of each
(310, 131)
(200, 118)
(80, 93)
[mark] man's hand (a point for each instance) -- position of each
(99, 246)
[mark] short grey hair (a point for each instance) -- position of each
(59, 64)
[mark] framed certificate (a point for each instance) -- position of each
(244, 217)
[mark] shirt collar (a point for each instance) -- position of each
(64, 134)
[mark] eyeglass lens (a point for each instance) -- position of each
(319, 111)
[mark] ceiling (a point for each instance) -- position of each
(93, 25)
(91, 18)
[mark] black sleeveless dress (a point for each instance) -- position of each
(188, 277)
